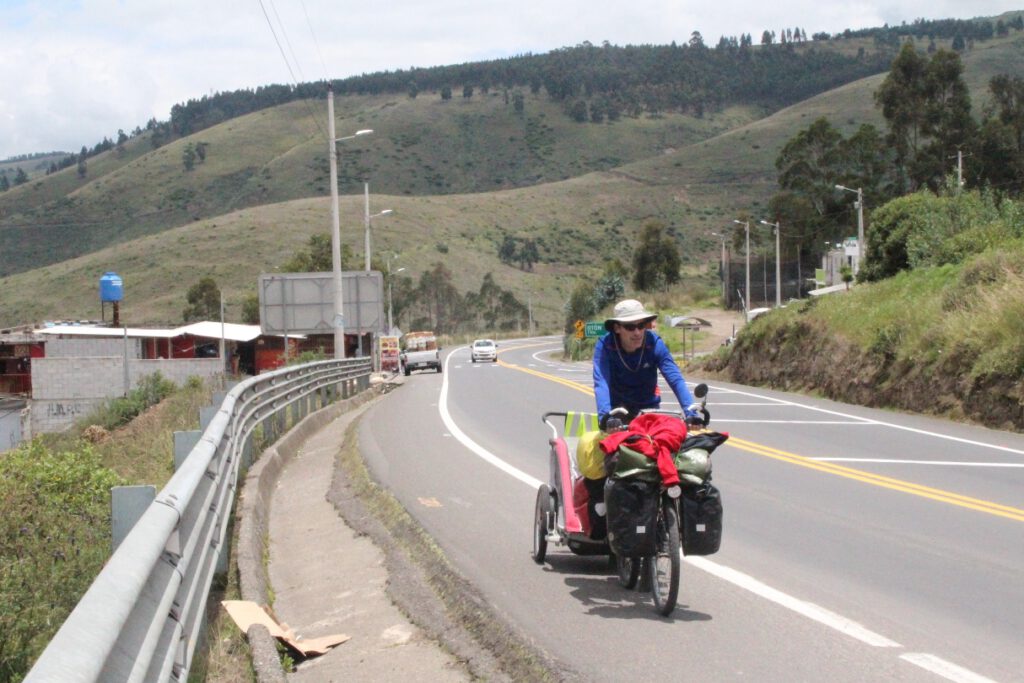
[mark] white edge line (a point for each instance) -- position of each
(486, 455)
(940, 667)
(807, 609)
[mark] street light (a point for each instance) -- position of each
(860, 221)
(391, 322)
(366, 223)
(332, 156)
(778, 266)
(746, 227)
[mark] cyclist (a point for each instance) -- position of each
(626, 365)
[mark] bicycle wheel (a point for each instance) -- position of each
(629, 570)
(663, 568)
(543, 515)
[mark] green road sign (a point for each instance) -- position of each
(595, 329)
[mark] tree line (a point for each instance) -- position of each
(931, 137)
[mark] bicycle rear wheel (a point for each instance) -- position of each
(663, 568)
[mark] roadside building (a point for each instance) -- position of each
(53, 375)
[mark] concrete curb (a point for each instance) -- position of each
(253, 519)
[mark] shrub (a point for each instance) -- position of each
(54, 537)
(120, 411)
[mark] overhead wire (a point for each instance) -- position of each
(295, 81)
(287, 40)
(315, 41)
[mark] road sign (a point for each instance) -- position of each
(579, 329)
(594, 329)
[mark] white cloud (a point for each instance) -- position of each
(77, 70)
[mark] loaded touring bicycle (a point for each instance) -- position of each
(649, 526)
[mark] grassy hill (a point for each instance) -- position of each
(582, 190)
(422, 146)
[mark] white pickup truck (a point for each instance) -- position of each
(420, 352)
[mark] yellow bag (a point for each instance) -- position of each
(589, 456)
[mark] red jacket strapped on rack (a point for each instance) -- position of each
(656, 436)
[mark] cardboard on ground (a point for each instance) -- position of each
(245, 613)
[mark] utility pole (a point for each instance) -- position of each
(721, 268)
(959, 170)
(860, 223)
(860, 228)
(339, 301)
(778, 267)
(366, 221)
(746, 227)
(223, 358)
(778, 262)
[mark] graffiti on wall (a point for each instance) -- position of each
(57, 409)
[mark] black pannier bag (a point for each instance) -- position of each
(702, 519)
(632, 514)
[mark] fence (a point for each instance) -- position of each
(141, 617)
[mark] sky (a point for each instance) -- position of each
(75, 71)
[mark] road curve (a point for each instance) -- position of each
(859, 544)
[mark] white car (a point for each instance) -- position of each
(484, 349)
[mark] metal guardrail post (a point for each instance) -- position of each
(127, 505)
(184, 442)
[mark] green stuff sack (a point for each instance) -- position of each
(694, 465)
(625, 463)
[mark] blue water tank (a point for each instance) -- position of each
(111, 287)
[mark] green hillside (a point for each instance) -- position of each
(422, 146)
(694, 174)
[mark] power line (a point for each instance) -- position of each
(287, 40)
(289, 66)
(315, 41)
(277, 40)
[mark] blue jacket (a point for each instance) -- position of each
(631, 379)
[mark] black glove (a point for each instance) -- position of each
(610, 423)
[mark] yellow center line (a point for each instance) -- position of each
(564, 382)
(882, 481)
(1016, 514)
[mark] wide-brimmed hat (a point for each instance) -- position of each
(628, 311)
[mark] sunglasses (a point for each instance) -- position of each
(632, 327)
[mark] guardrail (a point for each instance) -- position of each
(141, 617)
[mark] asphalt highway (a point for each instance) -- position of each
(859, 544)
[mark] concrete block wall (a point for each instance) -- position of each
(74, 378)
(78, 347)
(66, 389)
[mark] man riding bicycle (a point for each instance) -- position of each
(626, 365)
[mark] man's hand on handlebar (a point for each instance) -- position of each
(697, 414)
(612, 422)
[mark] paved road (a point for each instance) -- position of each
(859, 544)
